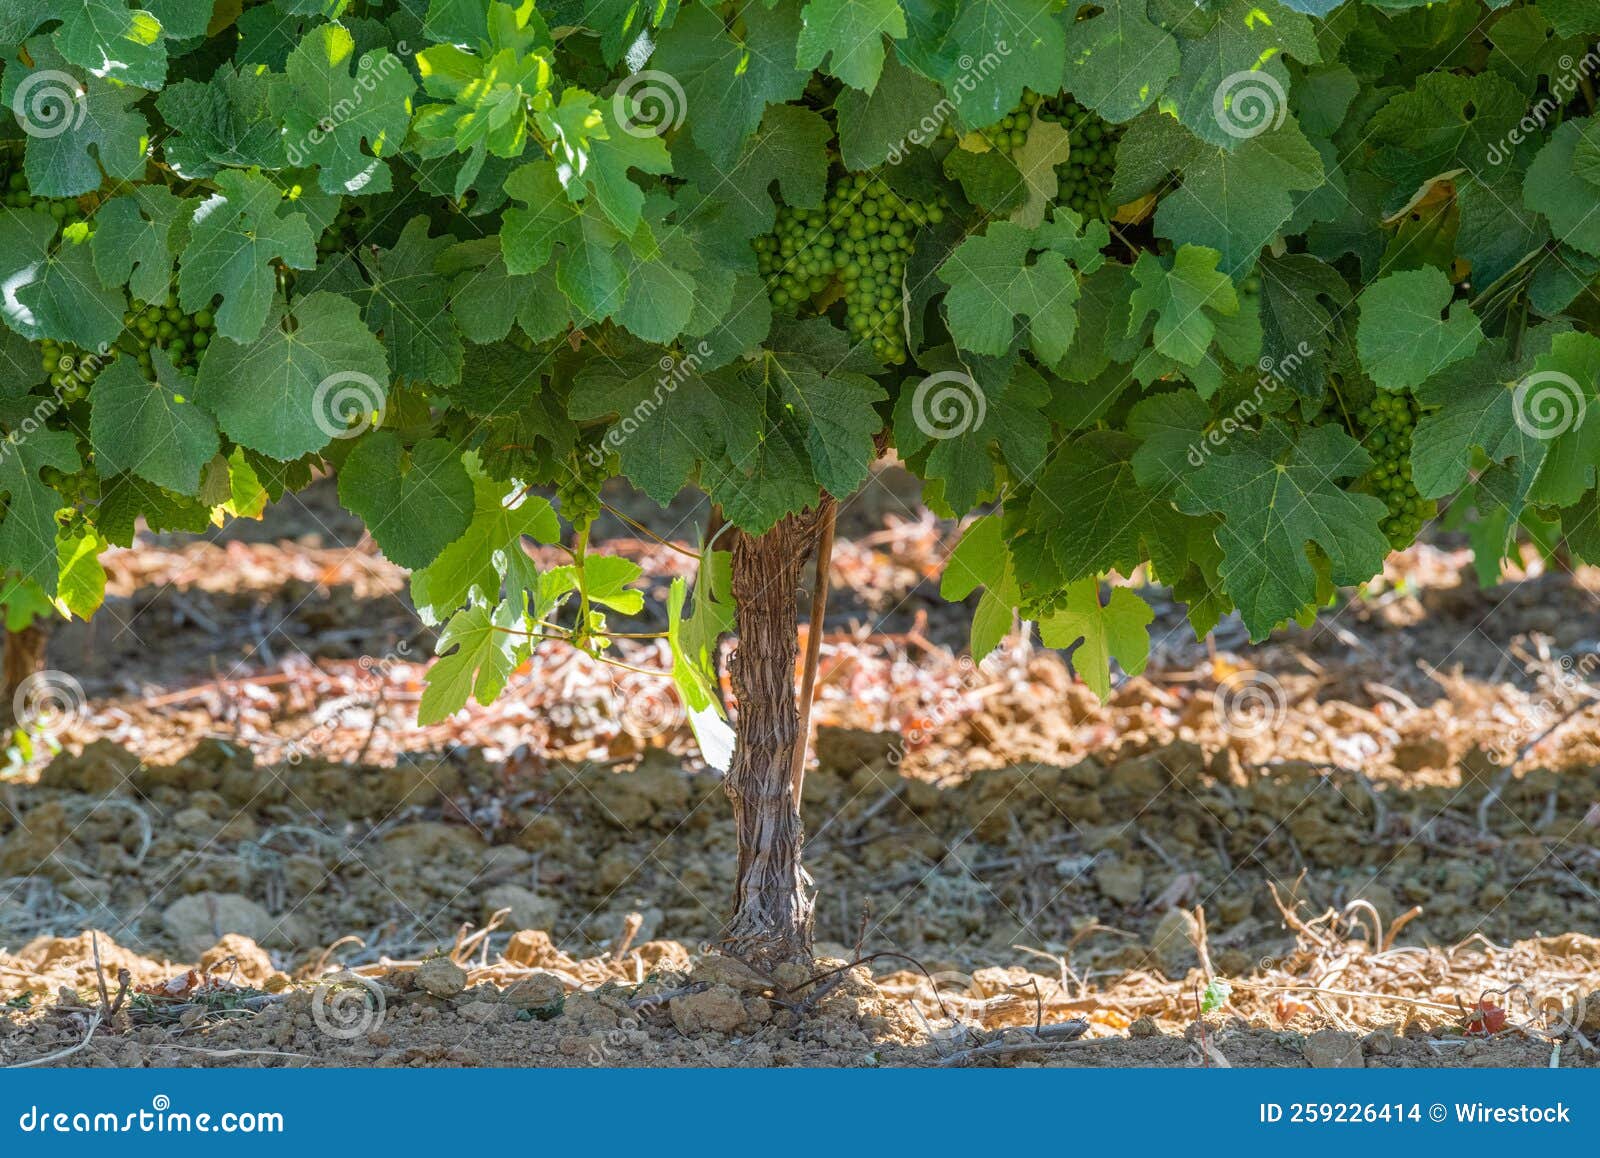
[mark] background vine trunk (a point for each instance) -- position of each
(771, 921)
(24, 656)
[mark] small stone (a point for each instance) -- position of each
(729, 971)
(440, 977)
(237, 957)
(196, 922)
(528, 909)
(1378, 1043)
(1121, 881)
(541, 994)
(717, 1009)
(1173, 942)
(1333, 1049)
(488, 1012)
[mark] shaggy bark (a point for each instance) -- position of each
(771, 922)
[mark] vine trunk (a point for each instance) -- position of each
(771, 922)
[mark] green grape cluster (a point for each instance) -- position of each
(17, 196)
(1010, 132)
(578, 488)
(164, 326)
(857, 242)
(1385, 426)
(345, 232)
(1086, 175)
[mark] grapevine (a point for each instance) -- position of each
(1093, 274)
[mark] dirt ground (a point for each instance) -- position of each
(1371, 842)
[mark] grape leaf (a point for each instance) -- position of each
(111, 39)
(84, 126)
(995, 49)
(727, 82)
(236, 235)
(1117, 629)
(1276, 494)
(334, 101)
(470, 568)
(901, 112)
(1229, 48)
(1235, 199)
(477, 652)
(811, 367)
(847, 37)
(310, 372)
(28, 529)
(992, 287)
(981, 560)
(951, 420)
(226, 121)
(1120, 60)
(669, 418)
(1471, 406)
(1554, 188)
(407, 304)
(136, 239)
(414, 503)
(1401, 338)
(53, 294)
(1188, 298)
(150, 428)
